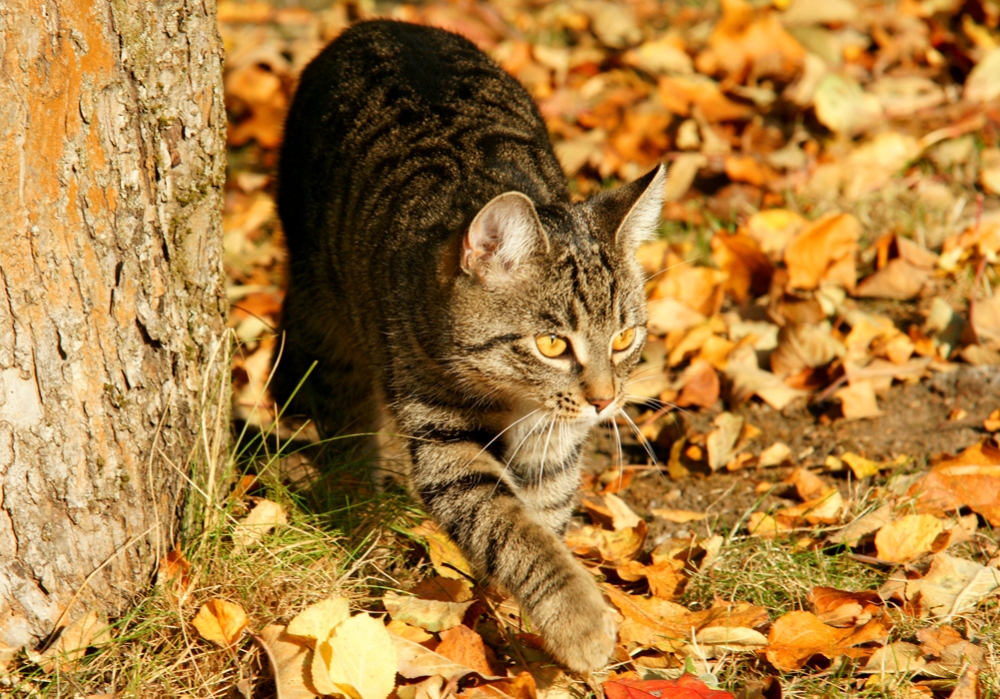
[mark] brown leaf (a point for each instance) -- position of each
(899, 280)
(774, 229)
(797, 636)
(744, 41)
(700, 385)
(448, 561)
(221, 622)
(698, 288)
(289, 660)
(173, 571)
(416, 661)
(262, 518)
(843, 608)
(721, 441)
(681, 93)
(465, 647)
(443, 589)
(985, 320)
(857, 400)
(72, 643)
(805, 346)
(613, 547)
(824, 251)
(952, 586)
(748, 268)
(971, 479)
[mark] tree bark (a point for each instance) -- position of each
(111, 293)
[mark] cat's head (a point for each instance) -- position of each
(549, 309)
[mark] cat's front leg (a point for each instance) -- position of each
(465, 489)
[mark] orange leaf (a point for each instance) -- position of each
(908, 538)
(824, 251)
(797, 636)
(465, 647)
(221, 622)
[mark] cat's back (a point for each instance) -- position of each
(397, 112)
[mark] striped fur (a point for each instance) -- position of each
(398, 137)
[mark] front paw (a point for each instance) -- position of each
(576, 624)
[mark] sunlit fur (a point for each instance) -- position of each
(398, 137)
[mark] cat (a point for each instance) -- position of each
(447, 288)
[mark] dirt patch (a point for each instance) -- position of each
(915, 423)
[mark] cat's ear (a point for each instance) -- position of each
(633, 210)
(503, 234)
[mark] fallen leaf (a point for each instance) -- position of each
(465, 647)
(289, 660)
(622, 516)
(358, 660)
(983, 83)
(684, 687)
(63, 655)
(443, 589)
(824, 251)
(722, 440)
(262, 519)
(797, 636)
(895, 658)
(744, 41)
(992, 423)
(446, 558)
(717, 640)
(613, 547)
(775, 455)
(699, 385)
(773, 229)
(173, 570)
(416, 661)
(221, 622)
(318, 620)
(968, 686)
(750, 380)
(908, 538)
(805, 346)
(971, 479)
(843, 106)
(860, 466)
(431, 615)
(842, 608)
(952, 586)
(677, 516)
(985, 321)
(748, 269)
(857, 401)
(898, 280)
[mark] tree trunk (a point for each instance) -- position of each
(111, 293)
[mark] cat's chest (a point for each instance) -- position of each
(538, 447)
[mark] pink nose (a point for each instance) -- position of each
(600, 403)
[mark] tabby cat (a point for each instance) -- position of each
(449, 290)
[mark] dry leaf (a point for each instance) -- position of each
(684, 687)
(359, 660)
(431, 615)
(613, 547)
(622, 516)
(985, 321)
(318, 620)
(860, 466)
(797, 636)
(805, 346)
(748, 269)
(857, 401)
(445, 555)
(443, 589)
(699, 385)
(899, 280)
(971, 479)
(221, 622)
(289, 659)
(750, 380)
(908, 538)
(416, 661)
(262, 519)
(678, 516)
(952, 586)
(465, 647)
(775, 455)
(174, 569)
(866, 524)
(895, 658)
(71, 645)
(843, 608)
(718, 640)
(824, 251)
(722, 440)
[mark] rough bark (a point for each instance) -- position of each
(111, 292)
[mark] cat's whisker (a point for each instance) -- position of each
(621, 455)
(500, 434)
(507, 463)
(641, 437)
(674, 266)
(545, 451)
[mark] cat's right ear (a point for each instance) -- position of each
(502, 236)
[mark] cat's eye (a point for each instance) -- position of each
(623, 340)
(551, 345)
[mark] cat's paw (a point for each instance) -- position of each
(579, 629)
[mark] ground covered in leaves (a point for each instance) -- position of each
(803, 499)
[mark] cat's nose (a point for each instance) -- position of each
(600, 403)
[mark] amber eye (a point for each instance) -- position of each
(623, 340)
(551, 345)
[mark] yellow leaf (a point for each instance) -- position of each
(221, 622)
(908, 538)
(445, 554)
(861, 466)
(262, 519)
(88, 630)
(288, 656)
(432, 615)
(362, 659)
(317, 621)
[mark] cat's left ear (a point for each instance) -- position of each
(633, 210)
(502, 236)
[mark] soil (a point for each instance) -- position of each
(915, 423)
